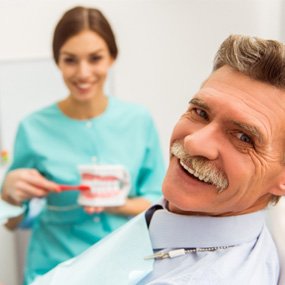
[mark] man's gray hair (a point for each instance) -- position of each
(260, 59)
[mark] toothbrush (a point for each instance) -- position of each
(75, 187)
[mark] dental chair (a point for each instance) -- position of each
(276, 224)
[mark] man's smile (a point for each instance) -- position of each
(200, 168)
(201, 177)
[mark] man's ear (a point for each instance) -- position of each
(279, 187)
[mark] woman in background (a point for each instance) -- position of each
(52, 142)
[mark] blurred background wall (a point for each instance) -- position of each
(166, 50)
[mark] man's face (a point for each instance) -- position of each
(227, 149)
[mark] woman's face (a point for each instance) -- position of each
(84, 61)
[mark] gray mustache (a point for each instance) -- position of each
(202, 167)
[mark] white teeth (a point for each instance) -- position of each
(191, 171)
(83, 85)
(196, 174)
(186, 167)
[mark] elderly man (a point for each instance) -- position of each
(227, 164)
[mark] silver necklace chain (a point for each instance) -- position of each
(183, 251)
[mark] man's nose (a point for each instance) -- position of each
(203, 142)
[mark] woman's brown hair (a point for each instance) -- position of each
(78, 19)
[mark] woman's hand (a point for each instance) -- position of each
(132, 207)
(22, 184)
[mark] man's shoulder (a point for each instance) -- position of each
(125, 248)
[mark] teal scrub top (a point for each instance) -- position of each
(55, 145)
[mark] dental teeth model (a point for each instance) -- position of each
(109, 185)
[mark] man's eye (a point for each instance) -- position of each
(201, 113)
(245, 138)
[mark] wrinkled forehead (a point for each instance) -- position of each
(230, 84)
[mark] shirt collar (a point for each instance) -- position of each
(170, 230)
